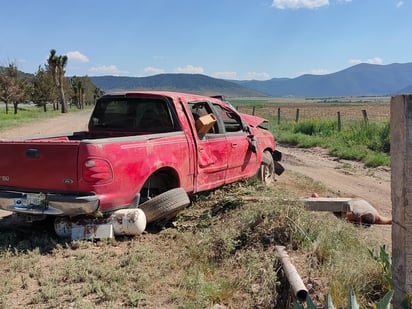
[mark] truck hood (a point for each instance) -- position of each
(253, 121)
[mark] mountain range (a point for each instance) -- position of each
(359, 80)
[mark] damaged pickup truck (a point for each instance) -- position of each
(143, 153)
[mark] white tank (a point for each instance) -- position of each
(121, 222)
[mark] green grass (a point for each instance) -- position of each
(27, 114)
(366, 142)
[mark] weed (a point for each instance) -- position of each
(368, 142)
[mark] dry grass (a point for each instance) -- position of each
(377, 109)
(218, 251)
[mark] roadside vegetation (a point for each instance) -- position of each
(365, 140)
(48, 86)
(220, 250)
(361, 141)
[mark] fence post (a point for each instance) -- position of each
(401, 195)
(297, 115)
(254, 110)
(278, 115)
(339, 122)
(365, 116)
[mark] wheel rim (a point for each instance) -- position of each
(267, 174)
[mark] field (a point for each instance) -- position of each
(377, 108)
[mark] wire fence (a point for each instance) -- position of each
(298, 112)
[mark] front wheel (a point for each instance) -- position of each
(266, 172)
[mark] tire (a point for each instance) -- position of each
(166, 205)
(266, 171)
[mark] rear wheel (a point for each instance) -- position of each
(166, 205)
(266, 172)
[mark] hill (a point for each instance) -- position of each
(191, 83)
(359, 80)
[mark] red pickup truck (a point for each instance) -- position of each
(142, 149)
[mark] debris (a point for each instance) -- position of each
(354, 210)
(300, 292)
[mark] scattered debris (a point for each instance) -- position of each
(354, 210)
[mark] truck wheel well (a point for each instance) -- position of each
(160, 181)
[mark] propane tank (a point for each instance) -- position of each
(128, 221)
(124, 222)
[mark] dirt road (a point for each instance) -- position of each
(341, 178)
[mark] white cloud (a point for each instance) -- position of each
(375, 60)
(153, 71)
(299, 4)
(76, 55)
(190, 69)
(225, 75)
(107, 70)
(257, 76)
(399, 4)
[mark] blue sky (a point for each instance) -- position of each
(233, 39)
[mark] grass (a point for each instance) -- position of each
(366, 142)
(27, 114)
(218, 251)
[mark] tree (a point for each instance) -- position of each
(56, 65)
(12, 89)
(43, 89)
(78, 89)
(96, 94)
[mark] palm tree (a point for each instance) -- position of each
(57, 65)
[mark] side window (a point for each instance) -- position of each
(203, 111)
(230, 119)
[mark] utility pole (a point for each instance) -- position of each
(401, 187)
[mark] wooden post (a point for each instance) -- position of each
(401, 180)
(297, 115)
(254, 110)
(365, 116)
(278, 115)
(339, 122)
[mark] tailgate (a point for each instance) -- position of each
(39, 165)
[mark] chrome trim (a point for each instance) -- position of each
(57, 204)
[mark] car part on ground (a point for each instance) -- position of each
(166, 205)
(121, 222)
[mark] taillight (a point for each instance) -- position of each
(97, 170)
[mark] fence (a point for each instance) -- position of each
(297, 112)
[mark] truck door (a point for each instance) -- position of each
(212, 151)
(241, 158)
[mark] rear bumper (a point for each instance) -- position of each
(49, 204)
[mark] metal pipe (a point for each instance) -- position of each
(300, 292)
